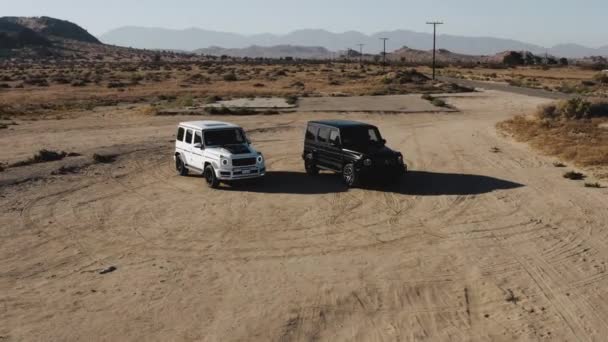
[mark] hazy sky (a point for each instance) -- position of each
(544, 22)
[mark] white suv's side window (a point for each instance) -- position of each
(180, 134)
(188, 136)
(198, 137)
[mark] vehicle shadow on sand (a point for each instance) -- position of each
(419, 183)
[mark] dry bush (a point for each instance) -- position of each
(569, 130)
(42, 156)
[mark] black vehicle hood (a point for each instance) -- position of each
(237, 149)
(374, 151)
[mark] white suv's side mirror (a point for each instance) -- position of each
(198, 145)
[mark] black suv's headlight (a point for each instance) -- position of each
(367, 162)
(400, 159)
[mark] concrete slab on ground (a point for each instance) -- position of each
(390, 103)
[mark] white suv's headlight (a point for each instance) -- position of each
(260, 159)
(225, 161)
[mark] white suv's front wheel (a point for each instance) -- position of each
(211, 178)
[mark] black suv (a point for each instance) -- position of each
(354, 149)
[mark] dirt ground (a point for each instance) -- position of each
(484, 240)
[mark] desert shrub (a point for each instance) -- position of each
(42, 156)
(259, 85)
(574, 175)
(186, 101)
(439, 103)
(213, 99)
(230, 77)
(104, 158)
(4, 86)
(229, 111)
(573, 109)
(427, 97)
(79, 83)
(601, 78)
(291, 99)
(116, 84)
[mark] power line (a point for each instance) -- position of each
(384, 53)
(361, 53)
(434, 23)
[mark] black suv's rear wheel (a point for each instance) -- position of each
(181, 168)
(211, 178)
(310, 166)
(350, 176)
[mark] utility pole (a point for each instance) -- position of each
(361, 53)
(434, 23)
(384, 53)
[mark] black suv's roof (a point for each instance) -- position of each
(341, 123)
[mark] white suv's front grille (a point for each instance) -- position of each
(244, 162)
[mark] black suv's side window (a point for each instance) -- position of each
(334, 137)
(180, 134)
(323, 135)
(311, 133)
(189, 136)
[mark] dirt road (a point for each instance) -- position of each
(475, 245)
(507, 88)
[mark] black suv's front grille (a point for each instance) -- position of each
(244, 162)
(384, 162)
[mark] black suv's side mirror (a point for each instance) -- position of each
(383, 141)
(335, 143)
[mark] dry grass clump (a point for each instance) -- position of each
(42, 156)
(569, 130)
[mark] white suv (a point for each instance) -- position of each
(219, 151)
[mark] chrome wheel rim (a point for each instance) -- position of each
(348, 174)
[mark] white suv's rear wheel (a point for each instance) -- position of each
(181, 168)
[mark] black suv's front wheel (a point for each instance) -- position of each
(211, 178)
(350, 176)
(310, 166)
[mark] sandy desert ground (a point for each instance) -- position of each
(484, 240)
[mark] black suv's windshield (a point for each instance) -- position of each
(224, 137)
(356, 137)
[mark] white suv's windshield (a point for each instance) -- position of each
(224, 137)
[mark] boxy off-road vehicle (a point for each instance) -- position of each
(354, 149)
(219, 151)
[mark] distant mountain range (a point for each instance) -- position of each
(194, 38)
(269, 52)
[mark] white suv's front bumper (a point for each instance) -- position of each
(245, 172)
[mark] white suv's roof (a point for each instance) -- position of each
(203, 125)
